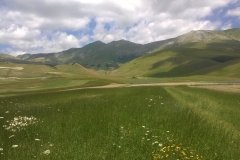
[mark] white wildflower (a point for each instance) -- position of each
(37, 139)
(160, 144)
(1, 117)
(143, 126)
(7, 112)
(47, 152)
(19, 123)
(11, 136)
(14, 146)
(1, 149)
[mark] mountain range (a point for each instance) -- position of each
(96, 55)
(196, 52)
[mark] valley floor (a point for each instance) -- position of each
(172, 121)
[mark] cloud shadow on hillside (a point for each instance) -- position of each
(188, 59)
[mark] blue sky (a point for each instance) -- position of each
(45, 26)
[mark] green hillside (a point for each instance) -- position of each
(76, 69)
(96, 55)
(104, 56)
(25, 70)
(42, 71)
(235, 32)
(227, 69)
(2, 56)
(180, 61)
(11, 59)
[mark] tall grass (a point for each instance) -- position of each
(123, 123)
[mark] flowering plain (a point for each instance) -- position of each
(121, 123)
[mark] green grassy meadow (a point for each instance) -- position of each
(121, 123)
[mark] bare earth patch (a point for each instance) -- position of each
(14, 68)
(226, 88)
(209, 85)
(194, 84)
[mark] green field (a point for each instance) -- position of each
(121, 123)
(15, 78)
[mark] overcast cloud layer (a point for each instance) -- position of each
(43, 26)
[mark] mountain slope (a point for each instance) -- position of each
(227, 69)
(233, 32)
(108, 55)
(96, 55)
(76, 69)
(231, 36)
(179, 61)
(11, 59)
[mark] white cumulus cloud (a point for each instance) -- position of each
(55, 25)
(234, 12)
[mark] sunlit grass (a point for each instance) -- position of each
(120, 123)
